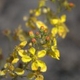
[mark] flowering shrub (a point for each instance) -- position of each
(39, 42)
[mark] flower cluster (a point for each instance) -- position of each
(35, 45)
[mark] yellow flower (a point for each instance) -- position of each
(34, 58)
(38, 63)
(24, 57)
(62, 30)
(58, 21)
(40, 24)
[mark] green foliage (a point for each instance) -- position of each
(27, 56)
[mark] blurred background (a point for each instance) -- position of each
(68, 68)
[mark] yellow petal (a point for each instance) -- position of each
(19, 71)
(26, 59)
(9, 66)
(57, 54)
(32, 50)
(15, 60)
(53, 48)
(40, 77)
(23, 44)
(42, 65)
(40, 24)
(2, 72)
(22, 37)
(37, 12)
(63, 18)
(54, 31)
(34, 66)
(30, 75)
(62, 31)
(54, 21)
(5, 65)
(12, 74)
(41, 53)
(54, 42)
(22, 53)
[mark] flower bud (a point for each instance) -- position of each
(33, 40)
(47, 38)
(71, 5)
(6, 32)
(31, 34)
(46, 30)
(45, 10)
(42, 28)
(37, 33)
(30, 44)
